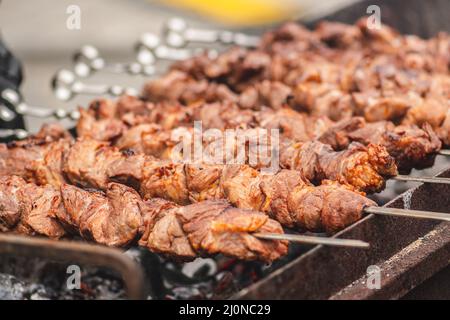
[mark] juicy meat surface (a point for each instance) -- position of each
(37, 158)
(293, 125)
(87, 161)
(93, 164)
(209, 227)
(362, 168)
(112, 218)
(11, 205)
(118, 217)
(29, 209)
(243, 186)
(411, 146)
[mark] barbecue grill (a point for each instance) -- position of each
(406, 251)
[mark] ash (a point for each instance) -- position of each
(218, 278)
(34, 279)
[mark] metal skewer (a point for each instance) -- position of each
(88, 60)
(22, 108)
(408, 213)
(356, 243)
(438, 180)
(313, 240)
(66, 86)
(444, 152)
(6, 114)
(13, 133)
(178, 34)
(149, 49)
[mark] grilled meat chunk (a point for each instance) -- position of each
(363, 168)
(95, 125)
(11, 201)
(86, 162)
(118, 217)
(179, 87)
(29, 209)
(337, 135)
(242, 185)
(209, 227)
(37, 158)
(337, 70)
(293, 125)
(112, 218)
(411, 146)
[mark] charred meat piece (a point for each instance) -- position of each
(224, 115)
(93, 124)
(118, 217)
(337, 135)
(87, 161)
(112, 218)
(322, 99)
(48, 169)
(11, 201)
(241, 185)
(294, 203)
(106, 120)
(271, 94)
(293, 125)
(179, 87)
(208, 228)
(30, 209)
(37, 158)
(411, 146)
(363, 168)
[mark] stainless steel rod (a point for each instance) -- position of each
(408, 213)
(422, 179)
(313, 240)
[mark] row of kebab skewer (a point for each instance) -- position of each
(354, 107)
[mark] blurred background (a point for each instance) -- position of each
(36, 32)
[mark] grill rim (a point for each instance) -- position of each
(315, 266)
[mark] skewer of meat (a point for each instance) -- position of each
(373, 77)
(92, 164)
(408, 144)
(119, 217)
(285, 196)
(37, 209)
(363, 168)
(320, 98)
